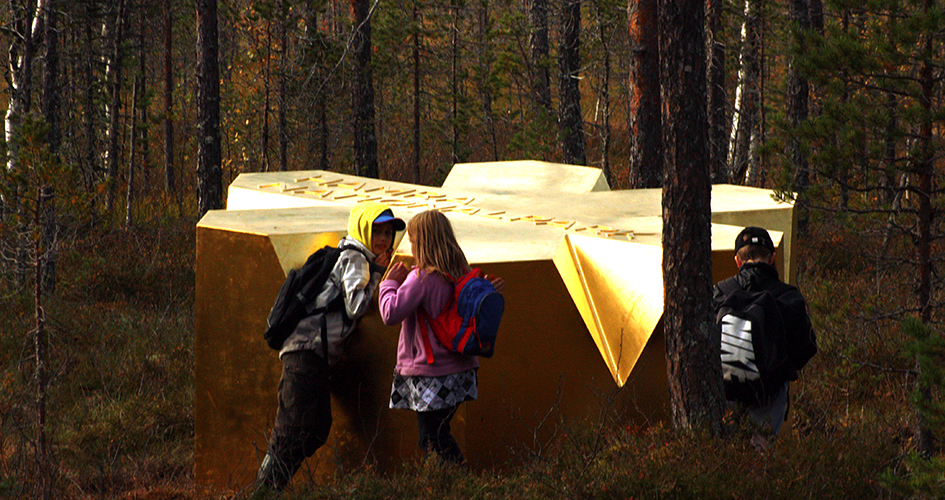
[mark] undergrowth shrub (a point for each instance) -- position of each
(120, 363)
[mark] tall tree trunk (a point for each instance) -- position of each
(266, 108)
(43, 472)
(798, 93)
(169, 178)
(925, 168)
(692, 342)
(114, 77)
(745, 119)
(92, 170)
(604, 93)
(52, 112)
(646, 150)
(22, 51)
(569, 60)
(143, 50)
(485, 71)
(209, 153)
(365, 138)
(416, 91)
(316, 49)
(282, 122)
(52, 89)
(538, 47)
(457, 90)
(717, 100)
(129, 199)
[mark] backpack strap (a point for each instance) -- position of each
(729, 286)
(423, 320)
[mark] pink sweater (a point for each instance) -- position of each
(398, 304)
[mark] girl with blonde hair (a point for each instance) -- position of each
(434, 389)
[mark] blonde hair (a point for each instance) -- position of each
(435, 246)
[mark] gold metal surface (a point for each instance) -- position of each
(581, 333)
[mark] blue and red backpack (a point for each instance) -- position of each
(469, 323)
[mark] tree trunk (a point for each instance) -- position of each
(129, 199)
(416, 92)
(209, 154)
(745, 119)
(265, 115)
(52, 89)
(925, 168)
(43, 472)
(538, 47)
(283, 92)
(569, 61)
(605, 104)
(717, 100)
(646, 151)
(92, 149)
(316, 48)
(22, 50)
(485, 71)
(52, 111)
(169, 179)
(457, 90)
(798, 93)
(365, 138)
(114, 78)
(692, 341)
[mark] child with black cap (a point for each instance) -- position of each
(303, 418)
(755, 257)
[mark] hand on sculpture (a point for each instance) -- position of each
(398, 272)
(496, 281)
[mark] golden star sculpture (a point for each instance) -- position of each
(580, 335)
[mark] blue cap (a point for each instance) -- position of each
(388, 216)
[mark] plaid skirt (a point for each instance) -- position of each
(433, 393)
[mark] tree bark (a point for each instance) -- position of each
(925, 169)
(52, 88)
(717, 100)
(745, 119)
(209, 153)
(539, 49)
(22, 51)
(169, 177)
(692, 341)
(570, 118)
(129, 198)
(114, 77)
(646, 150)
(458, 97)
(365, 137)
(89, 62)
(43, 472)
(416, 91)
(266, 107)
(798, 92)
(281, 119)
(485, 71)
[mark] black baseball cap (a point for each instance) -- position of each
(754, 236)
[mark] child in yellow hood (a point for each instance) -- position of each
(303, 419)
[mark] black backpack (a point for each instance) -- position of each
(296, 298)
(755, 359)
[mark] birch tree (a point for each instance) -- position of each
(25, 31)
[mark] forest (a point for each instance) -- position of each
(125, 120)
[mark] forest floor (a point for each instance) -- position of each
(120, 397)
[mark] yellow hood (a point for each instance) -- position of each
(362, 219)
